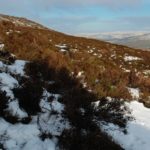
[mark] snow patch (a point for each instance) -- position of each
(18, 67)
(138, 130)
(7, 83)
(131, 58)
(135, 93)
(2, 46)
(80, 74)
(23, 137)
(14, 109)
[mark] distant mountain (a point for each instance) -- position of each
(140, 40)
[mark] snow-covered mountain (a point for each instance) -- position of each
(140, 40)
(113, 35)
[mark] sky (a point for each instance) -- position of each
(83, 16)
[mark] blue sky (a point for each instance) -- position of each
(83, 16)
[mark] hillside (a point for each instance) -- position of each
(64, 92)
(96, 62)
(43, 108)
(47, 109)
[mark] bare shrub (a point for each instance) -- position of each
(29, 96)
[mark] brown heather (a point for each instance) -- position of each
(103, 66)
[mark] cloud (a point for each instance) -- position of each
(36, 9)
(91, 24)
(77, 15)
(45, 4)
(137, 22)
(106, 3)
(111, 4)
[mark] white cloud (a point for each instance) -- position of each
(109, 3)
(49, 3)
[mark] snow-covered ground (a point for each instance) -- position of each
(138, 130)
(135, 93)
(27, 136)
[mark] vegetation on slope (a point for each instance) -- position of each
(80, 108)
(105, 70)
